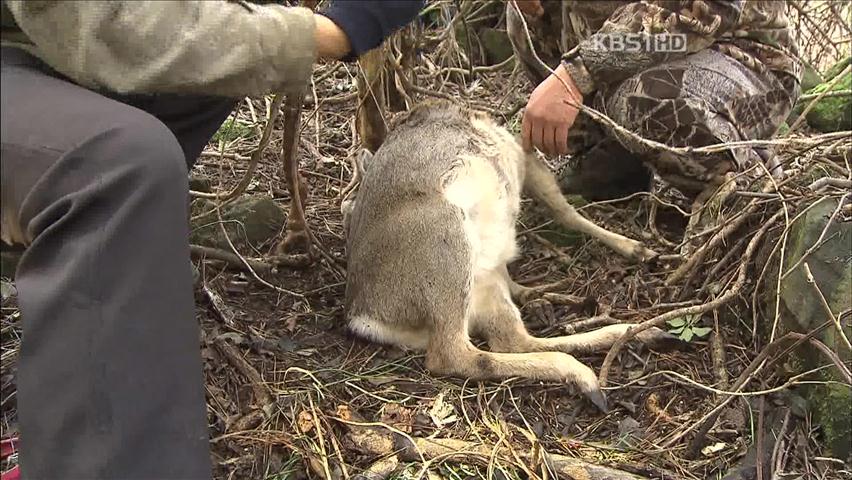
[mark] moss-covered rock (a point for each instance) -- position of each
(200, 184)
(811, 77)
(831, 114)
(250, 221)
(233, 129)
(496, 44)
(802, 311)
(837, 68)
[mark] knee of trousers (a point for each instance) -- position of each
(143, 147)
(132, 164)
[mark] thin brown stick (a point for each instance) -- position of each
(834, 81)
(233, 260)
(262, 395)
(255, 158)
(834, 320)
(790, 340)
(660, 320)
(730, 227)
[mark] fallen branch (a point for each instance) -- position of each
(834, 320)
(825, 182)
(375, 440)
(730, 227)
(660, 320)
(234, 261)
(262, 395)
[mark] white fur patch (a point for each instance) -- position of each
(368, 328)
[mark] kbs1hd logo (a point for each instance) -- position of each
(640, 42)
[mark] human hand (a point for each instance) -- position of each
(550, 113)
(367, 23)
(530, 7)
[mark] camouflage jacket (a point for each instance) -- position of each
(757, 33)
(224, 48)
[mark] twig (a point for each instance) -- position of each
(776, 460)
(825, 94)
(262, 394)
(589, 323)
(819, 97)
(718, 357)
(840, 333)
(819, 240)
(821, 184)
(255, 158)
(732, 225)
(660, 320)
(761, 437)
(233, 260)
(426, 450)
(790, 340)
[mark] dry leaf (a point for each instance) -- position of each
(305, 421)
(344, 412)
(442, 413)
(397, 416)
(709, 450)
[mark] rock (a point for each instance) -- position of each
(831, 114)
(836, 69)
(802, 311)
(200, 184)
(811, 77)
(251, 221)
(496, 44)
(233, 129)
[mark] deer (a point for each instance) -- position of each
(430, 231)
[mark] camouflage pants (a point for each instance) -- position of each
(703, 99)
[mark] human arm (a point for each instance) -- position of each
(594, 63)
(222, 48)
(201, 47)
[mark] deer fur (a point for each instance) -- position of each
(429, 235)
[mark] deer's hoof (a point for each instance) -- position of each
(296, 241)
(597, 397)
(660, 339)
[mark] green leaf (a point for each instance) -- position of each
(677, 330)
(677, 322)
(686, 335)
(701, 331)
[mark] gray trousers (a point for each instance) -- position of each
(110, 382)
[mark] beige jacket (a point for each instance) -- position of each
(224, 48)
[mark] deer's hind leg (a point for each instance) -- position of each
(499, 321)
(450, 352)
(542, 184)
